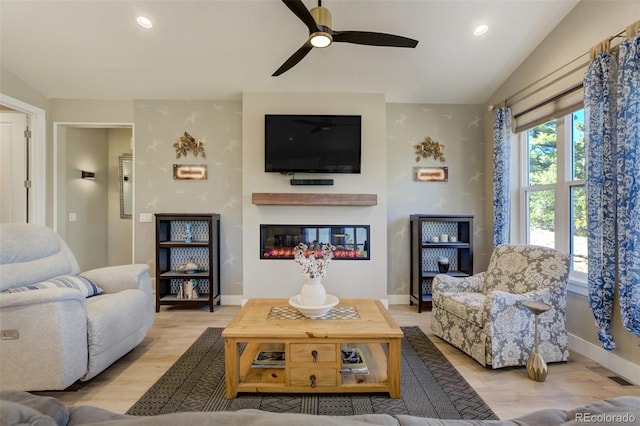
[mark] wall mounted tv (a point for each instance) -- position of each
(312, 143)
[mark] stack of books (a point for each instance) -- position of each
(269, 359)
(353, 362)
(188, 290)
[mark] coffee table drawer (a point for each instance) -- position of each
(304, 352)
(322, 377)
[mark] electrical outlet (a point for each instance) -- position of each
(10, 334)
(146, 217)
(73, 217)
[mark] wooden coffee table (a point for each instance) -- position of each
(312, 349)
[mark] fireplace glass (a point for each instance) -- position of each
(351, 241)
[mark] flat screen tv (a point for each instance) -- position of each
(312, 143)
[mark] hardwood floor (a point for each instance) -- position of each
(507, 391)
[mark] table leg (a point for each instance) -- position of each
(394, 368)
(231, 367)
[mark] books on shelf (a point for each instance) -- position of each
(188, 290)
(353, 362)
(269, 359)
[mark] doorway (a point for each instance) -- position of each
(14, 171)
(22, 162)
(87, 187)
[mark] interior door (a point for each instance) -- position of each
(13, 168)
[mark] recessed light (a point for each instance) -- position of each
(144, 22)
(480, 29)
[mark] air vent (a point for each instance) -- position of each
(619, 380)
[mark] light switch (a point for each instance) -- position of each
(10, 334)
(146, 217)
(72, 217)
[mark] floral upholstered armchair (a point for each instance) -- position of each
(483, 316)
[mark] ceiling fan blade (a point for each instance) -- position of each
(373, 39)
(294, 59)
(301, 11)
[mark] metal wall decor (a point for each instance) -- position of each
(430, 148)
(190, 171)
(188, 143)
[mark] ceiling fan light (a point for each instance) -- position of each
(320, 39)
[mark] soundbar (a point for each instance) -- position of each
(311, 181)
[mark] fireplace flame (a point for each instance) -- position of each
(288, 252)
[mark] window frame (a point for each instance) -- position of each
(563, 226)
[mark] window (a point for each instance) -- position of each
(553, 192)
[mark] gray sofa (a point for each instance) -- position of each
(24, 408)
(59, 326)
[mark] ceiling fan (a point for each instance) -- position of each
(318, 20)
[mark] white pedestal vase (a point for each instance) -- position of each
(313, 292)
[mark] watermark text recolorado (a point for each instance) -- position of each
(613, 418)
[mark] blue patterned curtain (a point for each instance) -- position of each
(501, 193)
(628, 169)
(612, 96)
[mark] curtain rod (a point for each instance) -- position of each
(510, 99)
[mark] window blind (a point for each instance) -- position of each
(549, 99)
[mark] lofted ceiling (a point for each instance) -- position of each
(215, 49)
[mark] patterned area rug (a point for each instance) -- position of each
(431, 387)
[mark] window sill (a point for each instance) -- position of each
(578, 286)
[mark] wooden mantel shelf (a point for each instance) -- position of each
(298, 199)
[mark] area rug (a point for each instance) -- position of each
(431, 387)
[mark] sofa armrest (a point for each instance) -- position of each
(48, 350)
(506, 314)
(113, 279)
(497, 300)
(447, 283)
(40, 297)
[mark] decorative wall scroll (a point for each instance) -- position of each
(432, 174)
(190, 171)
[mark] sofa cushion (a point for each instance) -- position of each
(622, 404)
(466, 306)
(87, 287)
(116, 323)
(245, 417)
(13, 413)
(520, 268)
(32, 409)
(32, 253)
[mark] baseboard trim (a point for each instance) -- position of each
(398, 299)
(231, 300)
(607, 359)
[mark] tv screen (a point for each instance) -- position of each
(312, 143)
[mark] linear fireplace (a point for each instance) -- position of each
(352, 242)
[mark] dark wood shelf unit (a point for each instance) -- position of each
(424, 252)
(171, 250)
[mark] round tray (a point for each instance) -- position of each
(314, 311)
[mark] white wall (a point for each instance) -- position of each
(120, 230)
(86, 149)
(459, 129)
(158, 125)
(282, 278)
